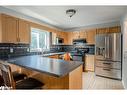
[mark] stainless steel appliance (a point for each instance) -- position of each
(79, 41)
(108, 55)
(59, 41)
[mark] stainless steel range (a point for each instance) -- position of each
(108, 55)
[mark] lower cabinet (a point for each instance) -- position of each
(89, 62)
(54, 56)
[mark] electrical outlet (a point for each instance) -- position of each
(11, 50)
(28, 49)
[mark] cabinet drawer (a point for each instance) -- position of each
(107, 72)
(116, 65)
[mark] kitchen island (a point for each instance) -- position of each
(54, 73)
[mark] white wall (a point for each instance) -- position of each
(19, 15)
(124, 51)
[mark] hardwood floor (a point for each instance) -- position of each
(91, 81)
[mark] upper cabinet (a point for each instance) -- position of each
(102, 30)
(9, 29)
(75, 35)
(107, 30)
(83, 34)
(91, 36)
(24, 28)
(70, 38)
(79, 34)
(61, 35)
(115, 29)
(14, 30)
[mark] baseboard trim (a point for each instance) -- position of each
(123, 84)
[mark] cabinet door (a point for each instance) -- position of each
(75, 35)
(91, 36)
(70, 38)
(24, 32)
(102, 30)
(10, 29)
(115, 29)
(89, 63)
(83, 34)
(65, 37)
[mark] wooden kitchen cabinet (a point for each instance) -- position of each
(59, 34)
(107, 30)
(24, 28)
(102, 30)
(79, 35)
(83, 34)
(9, 29)
(14, 30)
(70, 38)
(115, 29)
(76, 35)
(91, 33)
(89, 62)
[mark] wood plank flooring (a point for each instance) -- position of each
(91, 81)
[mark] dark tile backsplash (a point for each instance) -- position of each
(10, 50)
(61, 48)
(68, 48)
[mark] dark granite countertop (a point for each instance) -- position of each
(55, 67)
(55, 53)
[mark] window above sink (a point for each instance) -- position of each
(40, 40)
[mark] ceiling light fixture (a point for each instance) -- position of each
(70, 12)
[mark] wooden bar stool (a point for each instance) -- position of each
(28, 83)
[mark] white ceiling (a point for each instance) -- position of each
(85, 15)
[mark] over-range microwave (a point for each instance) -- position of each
(59, 40)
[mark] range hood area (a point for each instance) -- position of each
(79, 41)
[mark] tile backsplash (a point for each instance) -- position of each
(10, 49)
(68, 48)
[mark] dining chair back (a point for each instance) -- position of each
(7, 75)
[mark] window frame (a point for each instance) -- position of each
(47, 40)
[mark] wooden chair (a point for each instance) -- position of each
(28, 83)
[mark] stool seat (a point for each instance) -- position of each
(29, 83)
(18, 76)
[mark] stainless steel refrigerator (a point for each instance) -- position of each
(108, 55)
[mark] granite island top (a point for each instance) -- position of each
(55, 53)
(55, 67)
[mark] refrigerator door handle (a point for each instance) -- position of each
(108, 47)
(105, 48)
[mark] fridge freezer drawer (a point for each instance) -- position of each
(107, 72)
(107, 64)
